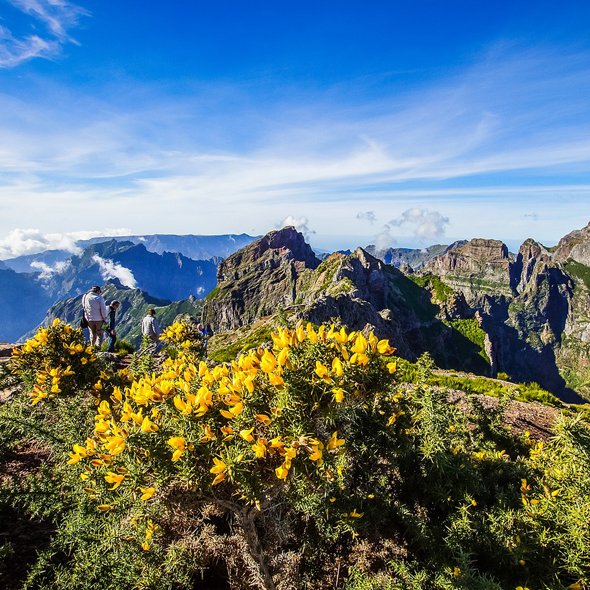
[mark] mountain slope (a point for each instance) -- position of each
(23, 304)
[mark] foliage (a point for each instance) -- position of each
(441, 292)
(312, 463)
(223, 349)
(124, 347)
(472, 331)
(580, 272)
(183, 337)
(56, 361)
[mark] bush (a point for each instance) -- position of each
(55, 361)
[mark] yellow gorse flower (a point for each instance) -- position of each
(147, 493)
(178, 444)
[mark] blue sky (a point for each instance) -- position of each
(402, 123)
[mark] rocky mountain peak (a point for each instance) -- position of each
(532, 259)
(270, 251)
(475, 257)
(575, 245)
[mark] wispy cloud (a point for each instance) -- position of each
(515, 123)
(301, 224)
(56, 17)
(425, 224)
(369, 216)
(46, 271)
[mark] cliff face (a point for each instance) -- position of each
(575, 246)
(475, 268)
(259, 279)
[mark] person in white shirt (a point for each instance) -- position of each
(95, 312)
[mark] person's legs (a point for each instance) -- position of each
(95, 333)
(113, 337)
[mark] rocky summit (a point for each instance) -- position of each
(474, 306)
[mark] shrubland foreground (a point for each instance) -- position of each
(311, 463)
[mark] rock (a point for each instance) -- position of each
(476, 268)
(575, 246)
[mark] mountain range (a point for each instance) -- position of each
(190, 246)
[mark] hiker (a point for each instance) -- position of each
(95, 312)
(206, 332)
(110, 330)
(150, 330)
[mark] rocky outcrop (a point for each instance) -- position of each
(478, 267)
(574, 246)
(259, 279)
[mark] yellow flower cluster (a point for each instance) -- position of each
(231, 409)
(51, 356)
(185, 337)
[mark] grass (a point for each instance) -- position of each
(579, 272)
(440, 290)
(471, 330)
(226, 346)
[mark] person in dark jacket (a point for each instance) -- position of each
(113, 307)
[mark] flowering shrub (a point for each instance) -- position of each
(245, 429)
(184, 337)
(56, 361)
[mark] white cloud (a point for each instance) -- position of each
(367, 216)
(56, 16)
(301, 224)
(15, 51)
(112, 270)
(425, 224)
(20, 242)
(384, 239)
(46, 271)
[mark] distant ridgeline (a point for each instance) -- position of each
(471, 305)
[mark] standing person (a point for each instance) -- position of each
(207, 333)
(113, 307)
(95, 312)
(150, 329)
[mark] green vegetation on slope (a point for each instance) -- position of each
(579, 272)
(433, 283)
